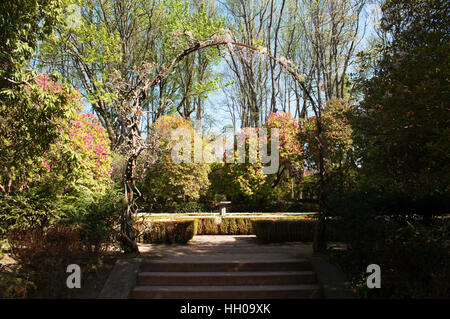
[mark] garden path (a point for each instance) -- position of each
(226, 248)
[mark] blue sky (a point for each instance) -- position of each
(215, 105)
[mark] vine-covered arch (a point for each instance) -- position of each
(134, 98)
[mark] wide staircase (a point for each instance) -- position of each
(235, 279)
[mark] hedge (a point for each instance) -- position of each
(224, 226)
(169, 232)
(216, 225)
(266, 230)
(291, 230)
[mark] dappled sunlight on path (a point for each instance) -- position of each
(226, 247)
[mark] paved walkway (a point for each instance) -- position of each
(226, 248)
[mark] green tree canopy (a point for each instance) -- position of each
(404, 114)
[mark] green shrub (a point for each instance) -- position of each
(271, 206)
(188, 207)
(170, 232)
(359, 225)
(31, 209)
(96, 216)
(223, 226)
(207, 226)
(177, 207)
(387, 229)
(418, 260)
(276, 231)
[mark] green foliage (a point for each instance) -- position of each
(44, 253)
(247, 181)
(310, 186)
(31, 120)
(360, 226)
(336, 137)
(96, 215)
(47, 232)
(170, 232)
(217, 225)
(180, 207)
(46, 139)
(21, 212)
(404, 114)
(111, 37)
(414, 259)
(275, 205)
(172, 182)
(23, 23)
(14, 283)
(99, 45)
(424, 252)
(243, 181)
(387, 229)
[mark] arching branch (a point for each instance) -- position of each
(166, 69)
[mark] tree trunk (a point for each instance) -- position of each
(320, 244)
(128, 233)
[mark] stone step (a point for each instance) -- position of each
(223, 266)
(227, 292)
(219, 278)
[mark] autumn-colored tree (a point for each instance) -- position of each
(248, 179)
(290, 147)
(168, 181)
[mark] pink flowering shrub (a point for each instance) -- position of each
(47, 85)
(291, 150)
(91, 142)
(81, 154)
